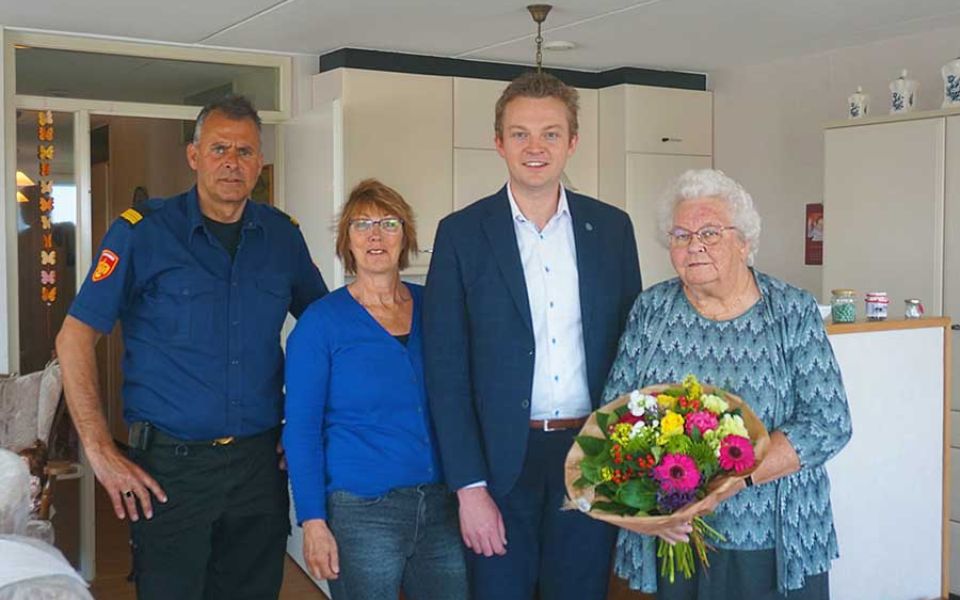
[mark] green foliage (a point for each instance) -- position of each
(678, 444)
(614, 508)
(593, 446)
(640, 494)
(590, 468)
(582, 482)
(603, 421)
(706, 460)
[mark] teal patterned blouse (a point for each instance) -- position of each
(776, 357)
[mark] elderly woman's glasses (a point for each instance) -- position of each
(387, 225)
(708, 236)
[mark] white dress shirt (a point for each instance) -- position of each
(549, 258)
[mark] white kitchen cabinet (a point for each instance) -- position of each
(883, 211)
(668, 121)
(647, 177)
(648, 136)
(474, 103)
(476, 174)
(395, 127)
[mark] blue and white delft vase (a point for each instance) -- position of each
(903, 94)
(858, 104)
(951, 83)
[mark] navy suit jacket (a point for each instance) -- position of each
(478, 334)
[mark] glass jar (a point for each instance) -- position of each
(843, 306)
(913, 308)
(877, 303)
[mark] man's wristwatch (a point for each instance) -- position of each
(749, 481)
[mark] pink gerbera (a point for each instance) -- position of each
(703, 420)
(736, 453)
(677, 473)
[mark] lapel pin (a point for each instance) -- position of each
(589, 226)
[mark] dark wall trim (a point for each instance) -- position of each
(454, 67)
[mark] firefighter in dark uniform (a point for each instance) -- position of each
(201, 284)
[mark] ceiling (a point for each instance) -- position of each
(689, 35)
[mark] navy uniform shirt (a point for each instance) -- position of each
(201, 333)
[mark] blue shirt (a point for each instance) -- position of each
(201, 332)
(356, 413)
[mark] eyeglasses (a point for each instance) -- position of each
(388, 225)
(708, 236)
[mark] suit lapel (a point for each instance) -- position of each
(586, 236)
(499, 228)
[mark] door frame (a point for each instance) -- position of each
(83, 110)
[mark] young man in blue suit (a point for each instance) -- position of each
(527, 294)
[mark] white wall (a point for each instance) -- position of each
(768, 129)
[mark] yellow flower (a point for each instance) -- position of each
(692, 387)
(606, 473)
(666, 401)
(621, 433)
(670, 425)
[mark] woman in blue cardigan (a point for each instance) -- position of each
(764, 340)
(360, 446)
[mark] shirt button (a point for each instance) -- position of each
(235, 323)
(547, 268)
(551, 305)
(525, 404)
(556, 378)
(419, 409)
(234, 362)
(233, 283)
(553, 341)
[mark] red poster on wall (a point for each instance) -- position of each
(813, 237)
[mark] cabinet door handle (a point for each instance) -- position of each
(671, 139)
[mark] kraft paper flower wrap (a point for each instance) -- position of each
(667, 450)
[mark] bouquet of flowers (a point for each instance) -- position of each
(654, 456)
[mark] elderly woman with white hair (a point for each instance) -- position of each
(763, 340)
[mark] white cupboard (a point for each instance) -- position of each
(476, 169)
(395, 127)
(891, 210)
(648, 136)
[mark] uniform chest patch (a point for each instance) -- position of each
(105, 265)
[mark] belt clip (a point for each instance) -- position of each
(224, 441)
(547, 428)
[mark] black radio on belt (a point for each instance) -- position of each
(141, 434)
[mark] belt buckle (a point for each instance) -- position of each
(547, 428)
(224, 441)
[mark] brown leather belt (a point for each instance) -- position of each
(557, 424)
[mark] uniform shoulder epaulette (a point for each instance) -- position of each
(292, 220)
(139, 211)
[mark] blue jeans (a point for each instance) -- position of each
(408, 538)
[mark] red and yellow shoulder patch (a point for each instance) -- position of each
(105, 265)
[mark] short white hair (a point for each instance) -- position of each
(712, 183)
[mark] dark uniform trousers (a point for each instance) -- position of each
(223, 531)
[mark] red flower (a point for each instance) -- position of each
(736, 454)
(629, 417)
